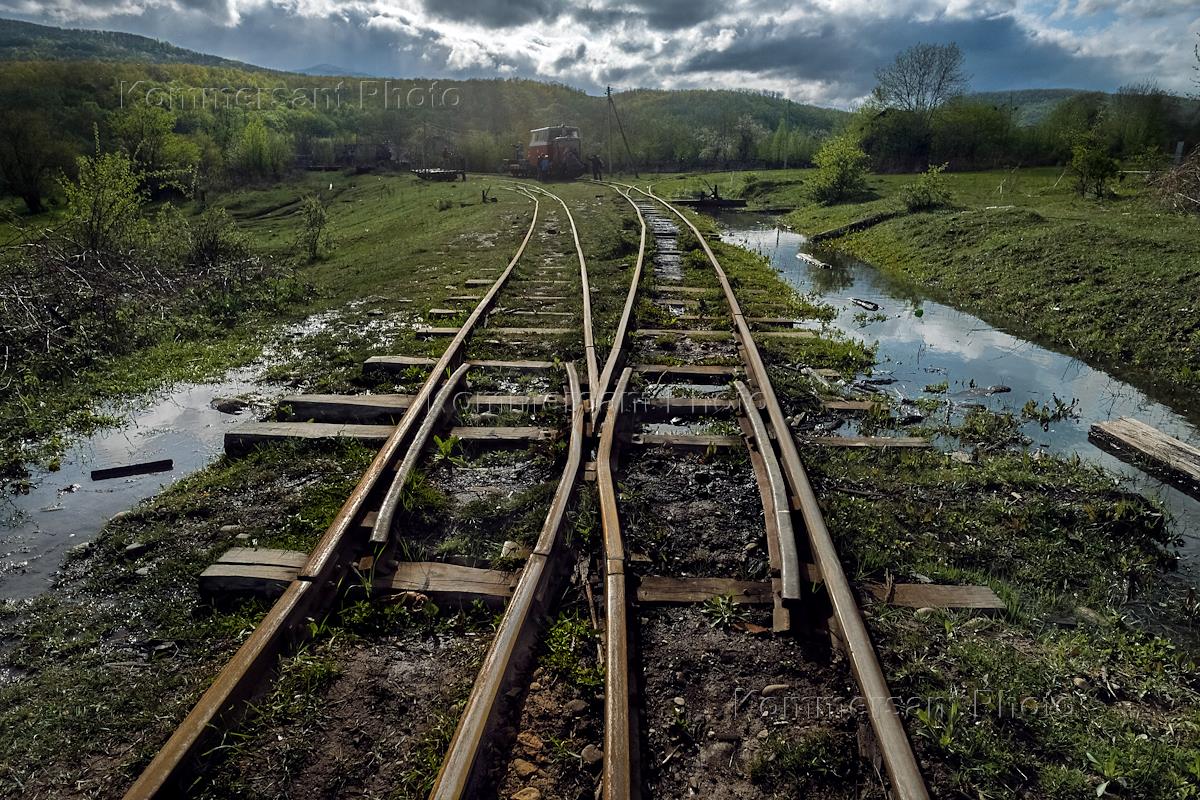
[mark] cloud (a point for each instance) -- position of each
(822, 51)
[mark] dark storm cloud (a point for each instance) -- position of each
(494, 13)
(999, 54)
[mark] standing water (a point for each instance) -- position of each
(922, 342)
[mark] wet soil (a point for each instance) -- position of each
(720, 700)
(690, 515)
(388, 711)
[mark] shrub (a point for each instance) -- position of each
(1092, 166)
(841, 170)
(928, 191)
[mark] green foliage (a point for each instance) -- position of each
(807, 760)
(1091, 165)
(313, 233)
(927, 192)
(105, 202)
(841, 170)
(721, 611)
(259, 152)
(570, 646)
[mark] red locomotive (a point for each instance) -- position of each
(555, 153)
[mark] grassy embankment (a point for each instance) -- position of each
(384, 228)
(1114, 282)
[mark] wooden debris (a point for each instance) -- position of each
(931, 595)
(145, 468)
(661, 589)
(914, 442)
(1147, 447)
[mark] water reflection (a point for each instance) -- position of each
(921, 341)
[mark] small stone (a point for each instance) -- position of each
(120, 515)
(924, 612)
(774, 689)
(528, 793)
(229, 528)
(242, 537)
(530, 741)
(764, 733)
(717, 753)
(1082, 682)
(962, 457)
(750, 547)
(592, 755)
(523, 768)
(136, 549)
(576, 707)
(535, 687)
(511, 549)
(375, 312)
(142, 572)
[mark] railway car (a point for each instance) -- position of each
(560, 143)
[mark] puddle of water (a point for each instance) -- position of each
(944, 344)
(67, 508)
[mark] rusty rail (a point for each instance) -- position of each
(896, 750)
(318, 583)
(616, 355)
(463, 763)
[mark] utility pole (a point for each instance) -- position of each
(621, 128)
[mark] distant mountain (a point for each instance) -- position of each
(25, 41)
(333, 71)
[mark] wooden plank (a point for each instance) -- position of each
(798, 333)
(1152, 450)
(505, 434)
(264, 557)
(667, 288)
(145, 468)
(850, 406)
(930, 595)
(353, 408)
(658, 589)
(450, 580)
(445, 312)
(648, 333)
(690, 373)
(402, 363)
(683, 406)
(527, 331)
(478, 282)
(243, 438)
(240, 579)
(915, 442)
(687, 441)
(464, 298)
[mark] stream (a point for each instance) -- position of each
(922, 342)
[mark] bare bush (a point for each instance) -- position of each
(1178, 188)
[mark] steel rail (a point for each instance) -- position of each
(589, 342)
(318, 582)
(617, 353)
(450, 358)
(620, 734)
(463, 764)
(896, 750)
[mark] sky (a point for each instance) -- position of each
(821, 51)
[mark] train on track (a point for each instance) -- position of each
(553, 153)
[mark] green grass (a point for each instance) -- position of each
(1112, 281)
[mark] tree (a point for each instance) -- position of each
(922, 78)
(841, 170)
(313, 232)
(1091, 164)
(105, 203)
(29, 157)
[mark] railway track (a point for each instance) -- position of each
(694, 402)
